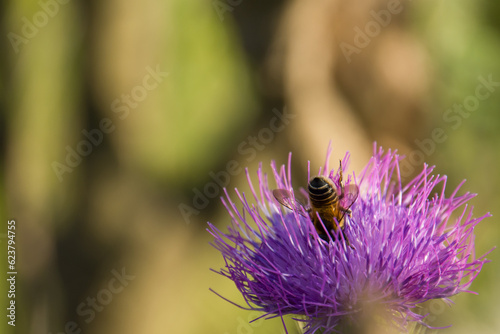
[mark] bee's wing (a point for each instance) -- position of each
(349, 196)
(286, 198)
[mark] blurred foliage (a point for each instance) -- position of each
(464, 46)
(230, 66)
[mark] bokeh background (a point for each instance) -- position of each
(119, 116)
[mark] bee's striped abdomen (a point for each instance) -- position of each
(321, 193)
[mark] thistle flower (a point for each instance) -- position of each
(410, 244)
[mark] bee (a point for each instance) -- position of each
(324, 200)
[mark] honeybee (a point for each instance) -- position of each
(324, 200)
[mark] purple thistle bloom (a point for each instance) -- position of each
(407, 249)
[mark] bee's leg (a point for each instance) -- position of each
(346, 211)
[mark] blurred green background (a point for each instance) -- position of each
(121, 120)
